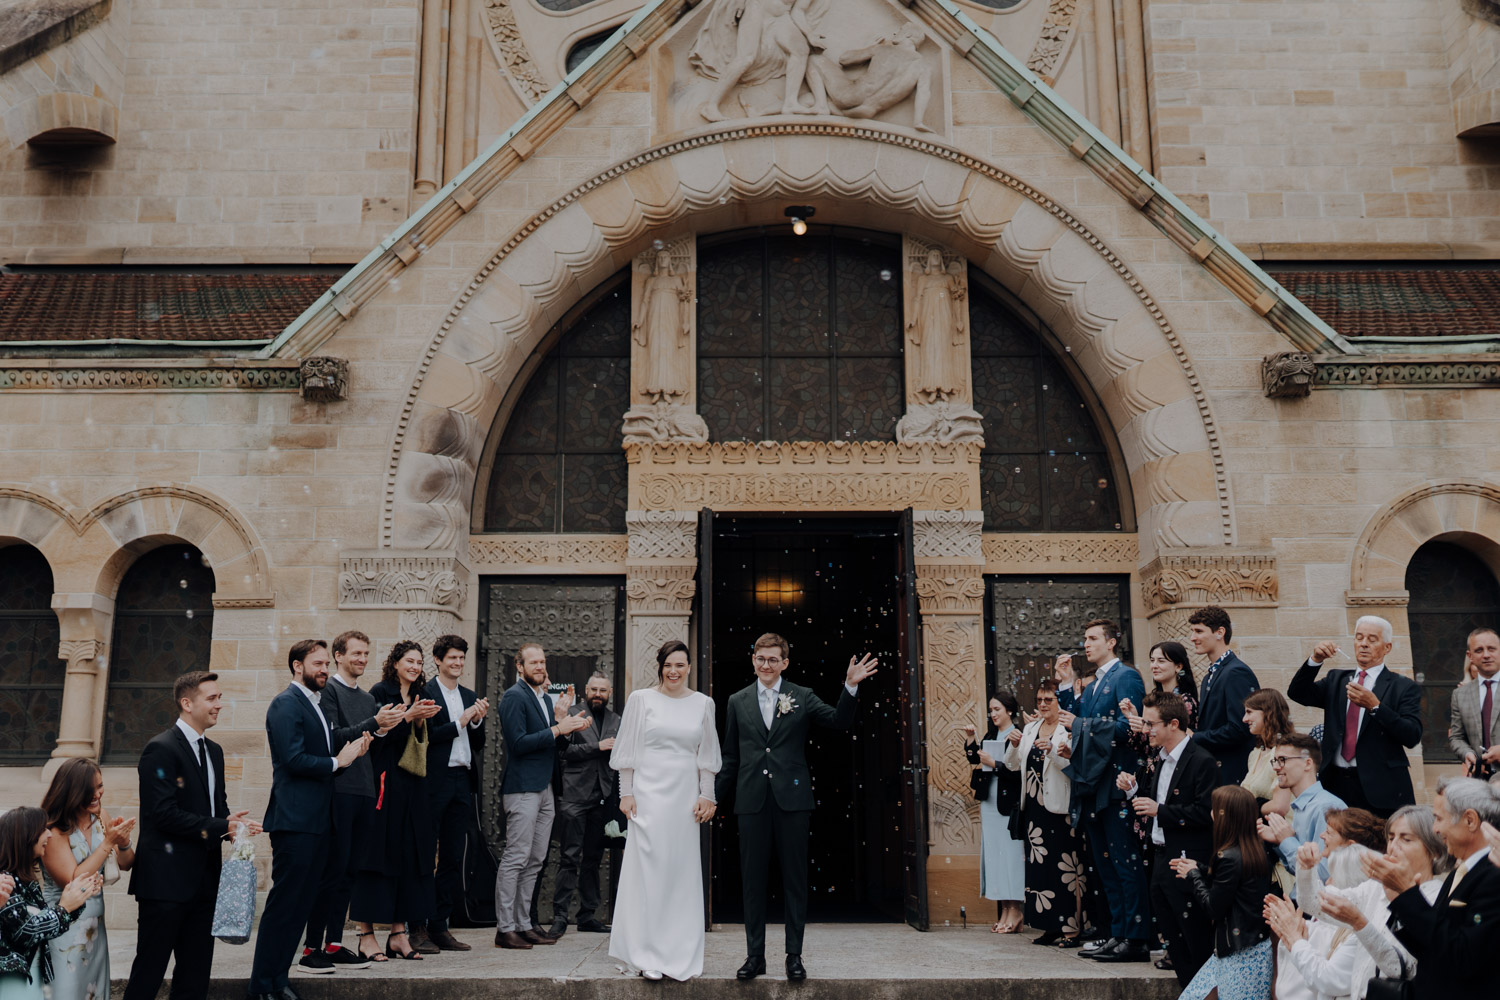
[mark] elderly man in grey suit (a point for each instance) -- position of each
(590, 796)
(1473, 722)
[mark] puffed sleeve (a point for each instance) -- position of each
(626, 756)
(709, 759)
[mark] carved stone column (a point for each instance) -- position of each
(661, 558)
(663, 345)
(950, 591)
(84, 623)
(427, 586)
(939, 385)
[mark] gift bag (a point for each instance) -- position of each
(234, 911)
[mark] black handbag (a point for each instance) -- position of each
(1381, 988)
(979, 783)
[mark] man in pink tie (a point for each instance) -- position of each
(1472, 723)
(1370, 717)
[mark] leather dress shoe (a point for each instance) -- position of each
(510, 939)
(754, 966)
(287, 993)
(446, 941)
(594, 927)
(421, 943)
(538, 936)
(795, 973)
(557, 930)
(1126, 951)
(1095, 947)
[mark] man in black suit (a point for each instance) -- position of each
(765, 768)
(588, 798)
(304, 756)
(184, 818)
(1455, 938)
(1370, 717)
(1177, 799)
(457, 737)
(1221, 701)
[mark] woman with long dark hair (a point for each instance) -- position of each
(86, 841)
(667, 754)
(394, 884)
(1002, 864)
(1268, 717)
(27, 920)
(1233, 894)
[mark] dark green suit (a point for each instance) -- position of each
(773, 797)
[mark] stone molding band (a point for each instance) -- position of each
(1294, 374)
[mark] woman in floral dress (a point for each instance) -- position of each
(1054, 850)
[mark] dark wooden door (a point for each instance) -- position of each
(913, 735)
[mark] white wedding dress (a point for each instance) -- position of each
(667, 753)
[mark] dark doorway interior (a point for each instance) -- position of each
(830, 588)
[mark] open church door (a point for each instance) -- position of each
(913, 734)
(703, 652)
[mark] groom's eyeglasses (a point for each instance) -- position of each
(766, 661)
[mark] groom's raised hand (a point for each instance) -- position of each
(860, 669)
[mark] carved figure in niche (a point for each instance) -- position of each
(939, 323)
(895, 71)
(662, 326)
(752, 41)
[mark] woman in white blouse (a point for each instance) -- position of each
(667, 753)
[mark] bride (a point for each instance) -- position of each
(667, 753)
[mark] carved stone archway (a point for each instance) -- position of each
(1459, 510)
(866, 174)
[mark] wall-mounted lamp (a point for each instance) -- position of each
(799, 214)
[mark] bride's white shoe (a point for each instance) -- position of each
(651, 974)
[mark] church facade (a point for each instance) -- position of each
(932, 330)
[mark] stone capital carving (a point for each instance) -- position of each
(660, 589)
(661, 534)
(324, 379)
(951, 595)
(945, 422)
(413, 580)
(80, 651)
(1287, 375)
(948, 534)
(1229, 580)
(664, 421)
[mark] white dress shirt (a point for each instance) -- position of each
(461, 755)
(1169, 759)
(541, 699)
(768, 696)
(194, 738)
(313, 697)
(1101, 671)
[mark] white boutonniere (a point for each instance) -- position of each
(784, 704)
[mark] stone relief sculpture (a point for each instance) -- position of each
(744, 43)
(662, 324)
(937, 348)
(661, 357)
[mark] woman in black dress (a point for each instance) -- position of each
(1055, 882)
(394, 884)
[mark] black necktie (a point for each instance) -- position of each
(203, 758)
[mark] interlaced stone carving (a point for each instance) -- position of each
(948, 534)
(396, 580)
(1096, 553)
(662, 534)
(950, 594)
(661, 588)
(1245, 581)
(118, 375)
(594, 554)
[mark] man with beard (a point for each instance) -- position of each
(589, 798)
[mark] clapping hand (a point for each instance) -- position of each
(1309, 854)
(78, 891)
(1182, 866)
(607, 744)
(421, 708)
(1284, 918)
(353, 750)
(7, 885)
(1491, 837)
(388, 717)
(703, 810)
(860, 669)
(572, 723)
(1337, 907)
(1391, 871)
(563, 703)
(475, 712)
(1274, 828)
(118, 831)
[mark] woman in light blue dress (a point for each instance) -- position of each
(1002, 864)
(85, 841)
(27, 922)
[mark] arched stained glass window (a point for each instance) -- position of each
(1452, 593)
(31, 673)
(799, 338)
(560, 465)
(1045, 466)
(164, 623)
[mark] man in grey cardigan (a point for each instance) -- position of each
(351, 713)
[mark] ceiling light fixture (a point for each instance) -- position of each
(799, 214)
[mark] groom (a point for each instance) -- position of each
(765, 764)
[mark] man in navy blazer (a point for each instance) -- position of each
(1371, 716)
(1221, 700)
(1100, 752)
(299, 815)
(530, 723)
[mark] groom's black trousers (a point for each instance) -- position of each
(788, 833)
